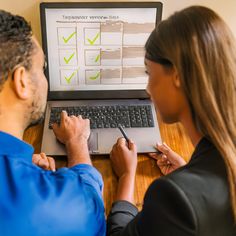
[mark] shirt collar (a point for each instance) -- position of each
(12, 146)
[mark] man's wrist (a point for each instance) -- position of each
(78, 153)
(81, 141)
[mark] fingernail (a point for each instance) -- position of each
(158, 144)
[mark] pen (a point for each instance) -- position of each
(127, 139)
(123, 133)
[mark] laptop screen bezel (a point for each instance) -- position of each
(102, 94)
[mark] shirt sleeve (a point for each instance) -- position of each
(67, 201)
(121, 214)
(89, 175)
(166, 211)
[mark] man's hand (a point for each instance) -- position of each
(168, 160)
(46, 163)
(74, 133)
(124, 163)
(71, 129)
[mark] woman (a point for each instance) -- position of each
(191, 62)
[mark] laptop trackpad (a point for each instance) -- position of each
(93, 142)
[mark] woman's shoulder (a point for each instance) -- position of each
(204, 179)
(199, 190)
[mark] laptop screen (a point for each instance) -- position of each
(97, 47)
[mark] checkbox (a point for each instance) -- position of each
(92, 36)
(93, 77)
(66, 36)
(92, 57)
(68, 57)
(68, 77)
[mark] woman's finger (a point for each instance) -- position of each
(163, 148)
(161, 163)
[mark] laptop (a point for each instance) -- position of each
(95, 56)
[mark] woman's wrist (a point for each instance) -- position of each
(125, 190)
(129, 176)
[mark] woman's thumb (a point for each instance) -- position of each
(132, 145)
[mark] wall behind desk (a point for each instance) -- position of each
(30, 10)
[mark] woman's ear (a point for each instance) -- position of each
(21, 83)
(176, 79)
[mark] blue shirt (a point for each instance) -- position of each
(37, 202)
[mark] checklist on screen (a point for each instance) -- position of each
(98, 49)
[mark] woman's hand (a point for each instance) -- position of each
(124, 158)
(46, 163)
(124, 163)
(168, 160)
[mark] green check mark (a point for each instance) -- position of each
(97, 58)
(68, 79)
(68, 38)
(95, 77)
(67, 60)
(92, 41)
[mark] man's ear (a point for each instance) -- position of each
(21, 84)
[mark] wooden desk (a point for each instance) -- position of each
(147, 170)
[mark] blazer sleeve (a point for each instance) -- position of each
(166, 211)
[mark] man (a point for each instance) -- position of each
(34, 201)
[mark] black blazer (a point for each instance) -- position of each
(193, 200)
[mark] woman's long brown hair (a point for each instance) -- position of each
(202, 48)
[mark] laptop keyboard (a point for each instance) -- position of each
(108, 116)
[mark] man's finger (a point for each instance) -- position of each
(43, 164)
(55, 127)
(52, 165)
(73, 117)
(87, 121)
(63, 116)
(36, 158)
(43, 155)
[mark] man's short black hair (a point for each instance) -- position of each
(16, 45)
